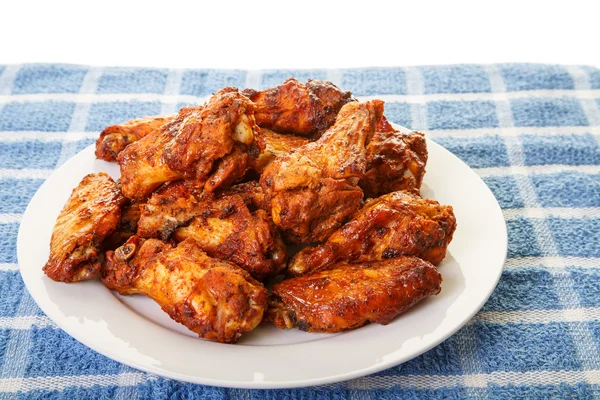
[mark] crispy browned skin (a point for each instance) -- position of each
(252, 194)
(130, 215)
(395, 161)
(314, 190)
(350, 295)
(213, 298)
(91, 214)
(167, 209)
(224, 128)
(293, 107)
(276, 144)
(212, 145)
(226, 229)
(143, 168)
(115, 138)
(392, 225)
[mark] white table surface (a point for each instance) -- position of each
(299, 34)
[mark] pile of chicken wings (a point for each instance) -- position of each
(299, 185)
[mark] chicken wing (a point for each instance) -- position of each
(392, 225)
(226, 124)
(212, 145)
(395, 161)
(314, 190)
(252, 194)
(130, 215)
(115, 138)
(226, 229)
(167, 209)
(299, 109)
(212, 298)
(142, 165)
(351, 295)
(91, 214)
(276, 144)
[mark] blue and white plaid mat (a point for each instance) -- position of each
(532, 132)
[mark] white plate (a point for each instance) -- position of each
(133, 330)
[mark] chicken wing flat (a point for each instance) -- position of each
(350, 295)
(299, 109)
(392, 225)
(142, 165)
(212, 298)
(212, 145)
(91, 214)
(395, 161)
(226, 229)
(276, 145)
(314, 190)
(115, 138)
(167, 209)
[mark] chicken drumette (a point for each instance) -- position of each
(314, 190)
(389, 226)
(293, 107)
(213, 298)
(91, 214)
(350, 295)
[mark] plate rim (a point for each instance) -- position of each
(290, 383)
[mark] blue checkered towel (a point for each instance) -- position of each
(532, 132)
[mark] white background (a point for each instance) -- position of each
(298, 34)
